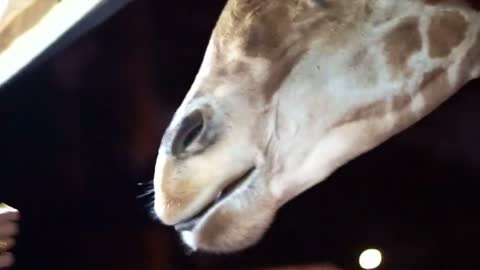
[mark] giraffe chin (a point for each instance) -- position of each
(235, 223)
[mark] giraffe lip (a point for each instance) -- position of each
(190, 223)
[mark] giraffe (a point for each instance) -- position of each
(290, 91)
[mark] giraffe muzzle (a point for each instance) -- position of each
(190, 223)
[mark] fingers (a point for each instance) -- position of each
(9, 215)
(6, 260)
(8, 229)
(7, 244)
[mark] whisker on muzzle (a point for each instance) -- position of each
(147, 193)
(146, 189)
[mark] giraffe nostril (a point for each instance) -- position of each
(189, 130)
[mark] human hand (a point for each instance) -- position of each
(8, 229)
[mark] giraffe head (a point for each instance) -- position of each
(291, 90)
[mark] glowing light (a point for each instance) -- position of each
(370, 259)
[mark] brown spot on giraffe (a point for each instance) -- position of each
(400, 101)
(372, 110)
(430, 76)
(471, 61)
(376, 109)
(434, 87)
(447, 30)
(403, 41)
(257, 27)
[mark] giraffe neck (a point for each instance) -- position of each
(403, 61)
(419, 44)
(446, 32)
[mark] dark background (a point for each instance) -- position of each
(80, 131)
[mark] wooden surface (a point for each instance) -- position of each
(18, 16)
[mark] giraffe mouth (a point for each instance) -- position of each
(224, 194)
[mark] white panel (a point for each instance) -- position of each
(25, 48)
